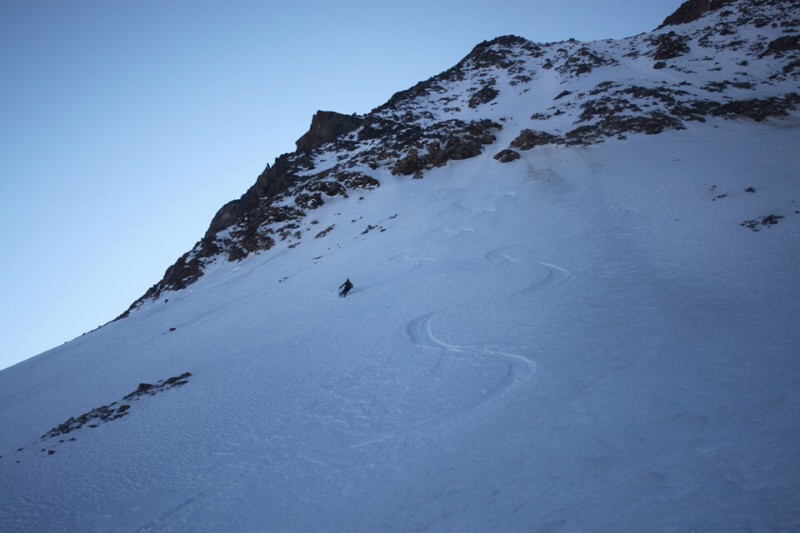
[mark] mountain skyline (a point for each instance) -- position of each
(575, 308)
(127, 127)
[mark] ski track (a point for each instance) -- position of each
(501, 254)
(178, 514)
(555, 274)
(519, 368)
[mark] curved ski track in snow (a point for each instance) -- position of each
(519, 368)
(555, 274)
(501, 254)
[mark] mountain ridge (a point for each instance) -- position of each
(581, 316)
(411, 143)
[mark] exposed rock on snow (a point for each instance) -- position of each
(507, 156)
(692, 10)
(766, 221)
(115, 410)
(326, 126)
(718, 59)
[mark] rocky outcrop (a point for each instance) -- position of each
(456, 114)
(115, 410)
(506, 156)
(692, 10)
(326, 126)
(527, 139)
(669, 46)
(451, 140)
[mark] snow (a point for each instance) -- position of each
(585, 339)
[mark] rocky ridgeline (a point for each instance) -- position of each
(116, 410)
(106, 413)
(711, 59)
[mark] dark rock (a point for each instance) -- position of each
(483, 96)
(562, 94)
(781, 45)
(324, 232)
(309, 201)
(616, 125)
(669, 46)
(408, 165)
(445, 141)
(506, 156)
(497, 53)
(749, 189)
(758, 109)
(770, 220)
(458, 148)
(583, 61)
(326, 126)
(527, 139)
(357, 180)
(692, 10)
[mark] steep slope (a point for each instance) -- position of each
(742, 61)
(591, 336)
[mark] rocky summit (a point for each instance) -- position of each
(710, 59)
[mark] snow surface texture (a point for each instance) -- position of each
(584, 339)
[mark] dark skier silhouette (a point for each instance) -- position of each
(345, 288)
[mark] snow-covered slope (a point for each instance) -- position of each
(595, 336)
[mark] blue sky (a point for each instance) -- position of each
(126, 125)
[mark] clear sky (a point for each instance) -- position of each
(125, 125)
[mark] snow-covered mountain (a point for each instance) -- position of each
(576, 308)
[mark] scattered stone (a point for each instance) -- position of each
(749, 189)
(506, 156)
(324, 232)
(769, 220)
(108, 413)
(369, 228)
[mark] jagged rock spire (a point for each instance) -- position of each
(692, 10)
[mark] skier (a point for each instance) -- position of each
(346, 286)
